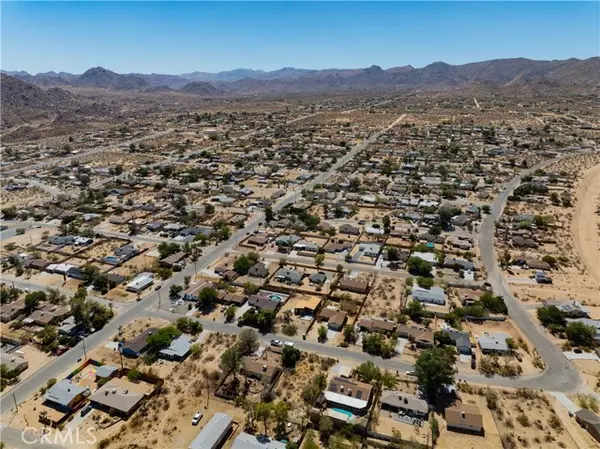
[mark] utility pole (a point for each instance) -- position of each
(84, 352)
(16, 405)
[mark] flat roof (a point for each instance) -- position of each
(247, 441)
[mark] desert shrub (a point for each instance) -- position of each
(523, 420)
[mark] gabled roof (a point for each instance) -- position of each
(63, 392)
(400, 400)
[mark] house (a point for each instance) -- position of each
(173, 259)
(317, 278)
(349, 229)
(119, 397)
(136, 346)
(375, 325)
(493, 343)
(349, 394)
(573, 309)
(191, 294)
(141, 282)
(468, 296)
(354, 285)
(287, 276)
(461, 340)
(155, 226)
(427, 257)
(115, 279)
(307, 306)
(286, 241)
(458, 262)
(13, 361)
(258, 270)
(178, 350)
(47, 314)
(263, 302)
(126, 251)
(464, 417)
(258, 240)
(37, 264)
(213, 433)
(589, 421)
(106, 372)
(306, 246)
(400, 402)
(259, 369)
(247, 441)
(434, 295)
(536, 264)
(11, 310)
(335, 318)
(64, 395)
(332, 247)
(423, 338)
(61, 240)
(68, 327)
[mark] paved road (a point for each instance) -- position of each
(559, 374)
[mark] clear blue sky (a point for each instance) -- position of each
(178, 37)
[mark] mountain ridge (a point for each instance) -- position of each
(501, 72)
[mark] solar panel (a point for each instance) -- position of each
(359, 394)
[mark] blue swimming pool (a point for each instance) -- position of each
(342, 411)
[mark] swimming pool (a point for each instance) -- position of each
(343, 412)
(275, 298)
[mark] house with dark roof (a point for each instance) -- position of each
(353, 285)
(136, 346)
(288, 276)
(317, 278)
(335, 318)
(349, 229)
(258, 270)
(589, 421)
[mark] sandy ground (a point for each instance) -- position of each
(585, 226)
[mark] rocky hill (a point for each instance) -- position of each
(200, 88)
(103, 78)
(25, 103)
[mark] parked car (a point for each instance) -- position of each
(157, 288)
(289, 343)
(85, 410)
(276, 343)
(196, 419)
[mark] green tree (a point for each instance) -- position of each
(188, 325)
(580, 334)
(33, 299)
(551, 316)
(319, 260)
(425, 282)
(230, 313)
(48, 338)
(325, 427)
(322, 333)
(247, 341)
(386, 224)
(419, 267)
(231, 361)
(162, 338)
(349, 334)
(415, 310)
(242, 264)
(290, 356)
(435, 369)
(269, 216)
(174, 291)
(280, 415)
(207, 296)
(263, 412)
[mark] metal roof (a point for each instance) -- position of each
(211, 434)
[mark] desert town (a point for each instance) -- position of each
(406, 272)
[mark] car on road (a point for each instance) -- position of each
(157, 288)
(276, 343)
(411, 373)
(289, 343)
(196, 419)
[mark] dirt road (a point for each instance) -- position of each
(586, 234)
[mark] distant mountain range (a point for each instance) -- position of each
(500, 71)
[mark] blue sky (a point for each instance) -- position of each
(178, 37)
